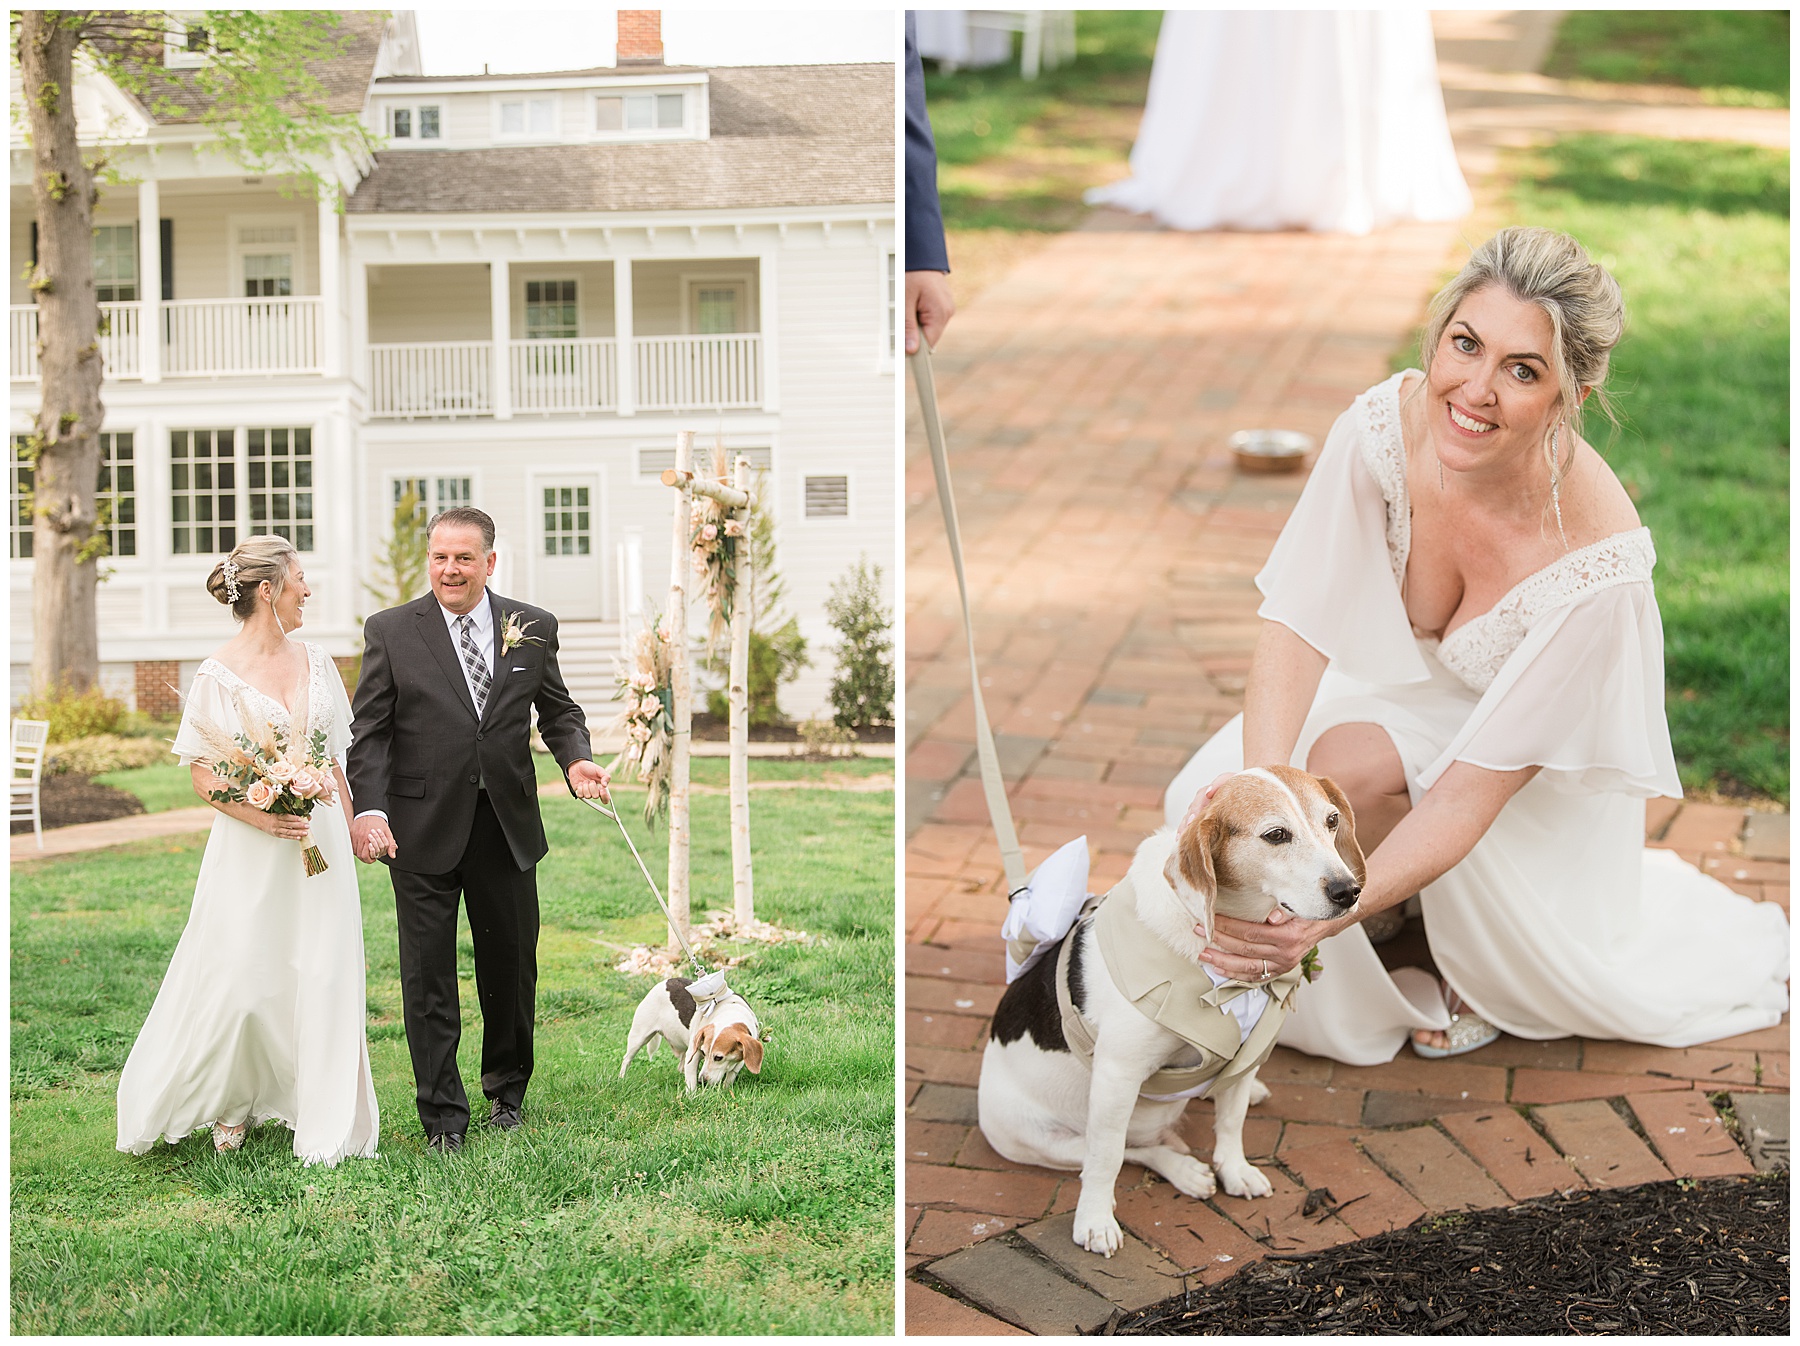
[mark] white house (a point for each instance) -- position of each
(534, 284)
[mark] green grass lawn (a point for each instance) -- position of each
(1016, 154)
(1697, 235)
(621, 1207)
(1735, 56)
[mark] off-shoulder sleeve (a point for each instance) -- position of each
(337, 736)
(1329, 579)
(206, 702)
(1582, 698)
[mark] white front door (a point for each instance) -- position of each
(567, 571)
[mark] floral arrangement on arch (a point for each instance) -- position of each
(715, 535)
(281, 772)
(647, 687)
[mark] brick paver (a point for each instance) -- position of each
(1599, 1144)
(1134, 1276)
(930, 1314)
(1111, 548)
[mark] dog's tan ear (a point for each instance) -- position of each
(697, 1044)
(753, 1051)
(1347, 847)
(1193, 866)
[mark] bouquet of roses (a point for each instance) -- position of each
(647, 688)
(267, 772)
(714, 535)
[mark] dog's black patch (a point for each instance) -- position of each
(1029, 1005)
(677, 987)
(1077, 992)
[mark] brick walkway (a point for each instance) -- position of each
(1110, 545)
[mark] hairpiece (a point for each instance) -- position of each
(230, 567)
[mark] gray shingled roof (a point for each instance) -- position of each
(792, 135)
(171, 97)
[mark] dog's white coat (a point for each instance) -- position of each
(656, 1021)
(1048, 1108)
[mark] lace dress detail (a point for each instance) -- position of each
(1384, 454)
(1475, 651)
(318, 693)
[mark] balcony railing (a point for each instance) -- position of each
(565, 375)
(241, 336)
(433, 378)
(455, 378)
(200, 337)
(682, 372)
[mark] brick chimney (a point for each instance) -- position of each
(640, 37)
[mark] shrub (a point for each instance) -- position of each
(101, 753)
(775, 659)
(862, 692)
(73, 714)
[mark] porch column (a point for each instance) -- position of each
(768, 283)
(623, 337)
(359, 323)
(500, 305)
(149, 281)
(331, 286)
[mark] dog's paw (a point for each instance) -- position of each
(1259, 1092)
(1190, 1176)
(1098, 1232)
(1243, 1179)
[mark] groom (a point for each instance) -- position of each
(441, 772)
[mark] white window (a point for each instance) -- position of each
(186, 43)
(568, 521)
(527, 116)
(828, 497)
(551, 312)
(117, 495)
(115, 263)
(268, 273)
(893, 308)
(425, 122)
(202, 492)
(717, 305)
(435, 493)
(640, 112)
(281, 484)
(19, 492)
(266, 248)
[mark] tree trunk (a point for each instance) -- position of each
(743, 889)
(65, 647)
(679, 562)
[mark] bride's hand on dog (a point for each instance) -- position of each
(1260, 950)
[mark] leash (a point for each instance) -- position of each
(992, 783)
(702, 987)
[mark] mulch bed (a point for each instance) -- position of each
(72, 799)
(1707, 1258)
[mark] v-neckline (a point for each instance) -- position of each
(286, 709)
(1399, 383)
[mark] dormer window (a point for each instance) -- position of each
(521, 117)
(186, 44)
(625, 113)
(415, 123)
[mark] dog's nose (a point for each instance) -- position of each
(1341, 893)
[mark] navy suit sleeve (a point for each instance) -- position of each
(924, 218)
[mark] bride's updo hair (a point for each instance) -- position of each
(255, 559)
(1582, 301)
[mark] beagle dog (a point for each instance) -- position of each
(1097, 1048)
(717, 1039)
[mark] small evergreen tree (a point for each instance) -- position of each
(862, 691)
(400, 566)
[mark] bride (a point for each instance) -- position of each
(262, 1014)
(1460, 629)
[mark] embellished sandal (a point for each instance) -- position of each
(229, 1137)
(1468, 1031)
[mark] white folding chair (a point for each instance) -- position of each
(1048, 35)
(29, 739)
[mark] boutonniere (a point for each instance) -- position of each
(512, 634)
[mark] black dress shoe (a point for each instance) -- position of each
(445, 1142)
(506, 1117)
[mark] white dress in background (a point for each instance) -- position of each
(1559, 921)
(1326, 120)
(262, 1013)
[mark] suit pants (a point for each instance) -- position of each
(503, 919)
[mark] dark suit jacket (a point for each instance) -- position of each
(924, 219)
(419, 751)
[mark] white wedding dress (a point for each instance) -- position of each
(1328, 120)
(1559, 921)
(262, 1012)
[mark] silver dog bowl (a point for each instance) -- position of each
(1270, 450)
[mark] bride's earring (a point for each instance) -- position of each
(1440, 463)
(276, 615)
(1556, 484)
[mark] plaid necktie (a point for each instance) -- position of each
(479, 679)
